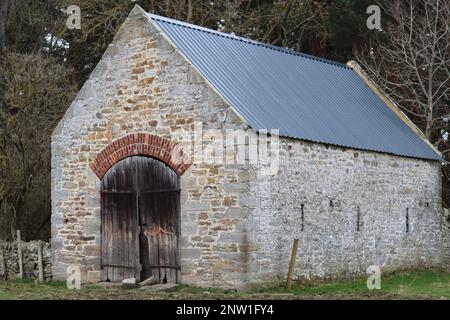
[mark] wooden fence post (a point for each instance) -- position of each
(2, 256)
(19, 253)
(40, 263)
(292, 265)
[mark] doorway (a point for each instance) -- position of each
(140, 214)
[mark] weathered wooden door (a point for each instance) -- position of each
(159, 215)
(140, 221)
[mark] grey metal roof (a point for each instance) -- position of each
(305, 97)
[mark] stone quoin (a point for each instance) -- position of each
(348, 206)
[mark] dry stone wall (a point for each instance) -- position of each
(9, 260)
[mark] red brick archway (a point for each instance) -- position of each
(143, 144)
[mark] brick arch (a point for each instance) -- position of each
(143, 144)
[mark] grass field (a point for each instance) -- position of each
(408, 285)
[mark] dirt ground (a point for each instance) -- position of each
(411, 285)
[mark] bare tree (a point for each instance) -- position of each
(29, 111)
(411, 62)
(288, 23)
(25, 24)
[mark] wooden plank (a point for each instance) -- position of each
(112, 236)
(292, 264)
(170, 225)
(4, 270)
(103, 275)
(159, 187)
(118, 239)
(162, 191)
(170, 252)
(154, 258)
(19, 253)
(117, 192)
(172, 249)
(149, 258)
(106, 237)
(40, 262)
(136, 257)
(163, 261)
(119, 225)
(119, 266)
(178, 238)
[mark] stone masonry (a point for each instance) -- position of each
(237, 225)
(348, 209)
(9, 260)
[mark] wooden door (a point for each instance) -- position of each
(140, 221)
(120, 245)
(120, 228)
(159, 199)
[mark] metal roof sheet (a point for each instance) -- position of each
(302, 96)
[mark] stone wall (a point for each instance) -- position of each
(237, 225)
(10, 259)
(348, 209)
(142, 85)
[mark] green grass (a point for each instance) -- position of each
(406, 285)
(431, 284)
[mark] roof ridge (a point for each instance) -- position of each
(250, 41)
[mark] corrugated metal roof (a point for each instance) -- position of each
(305, 97)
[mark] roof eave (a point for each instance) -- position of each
(390, 103)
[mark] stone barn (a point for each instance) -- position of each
(196, 156)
